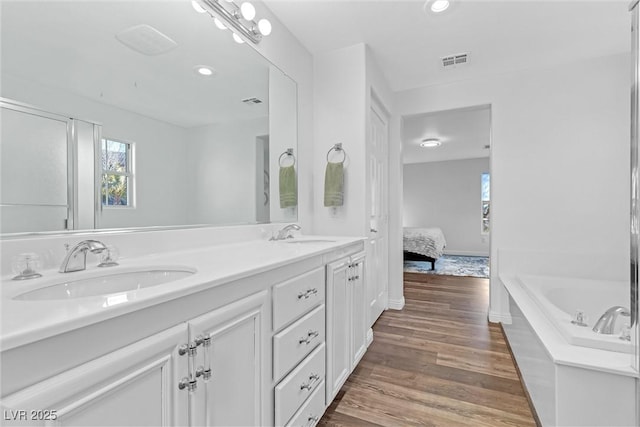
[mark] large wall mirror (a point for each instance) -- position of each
(119, 114)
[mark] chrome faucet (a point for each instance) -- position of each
(285, 232)
(607, 321)
(76, 259)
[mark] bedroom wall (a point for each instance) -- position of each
(447, 195)
(560, 158)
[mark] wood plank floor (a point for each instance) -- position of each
(438, 362)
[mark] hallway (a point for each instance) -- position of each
(438, 362)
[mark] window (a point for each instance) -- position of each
(117, 173)
(486, 202)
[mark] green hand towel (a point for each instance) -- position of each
(288, 187)
(334, 184)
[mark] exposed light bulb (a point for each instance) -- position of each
(237, 38)
(439, 6)
(197, 7)
(248, 11)
(219, 24)
(264, 26)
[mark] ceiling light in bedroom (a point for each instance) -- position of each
(430, 143)
(438, 6)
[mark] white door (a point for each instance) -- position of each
(358, 310)
(231, 351)
(377, 257)
(134, 386)
(337, 333)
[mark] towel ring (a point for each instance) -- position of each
(287, 153)
(338, 148)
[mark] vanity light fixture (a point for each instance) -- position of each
(430, 143)
(228, 14)
(197, 7)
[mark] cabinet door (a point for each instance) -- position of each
(338, 335)
(233, 394)
(136, 385)
(358, 311)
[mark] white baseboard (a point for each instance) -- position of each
(496, 317)
(369, 336)
(465, 253)
(396, 304)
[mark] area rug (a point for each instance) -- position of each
(452, 265)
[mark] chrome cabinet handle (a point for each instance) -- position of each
(312, 420)
(313, 378)
(310, 336)
(373, 230)
(185, 383)
(306, 294)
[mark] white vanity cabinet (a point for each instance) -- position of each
(299, 318)
(147, 383)
(346, 320)
(229, 374)
(135, 385)
(270, 348)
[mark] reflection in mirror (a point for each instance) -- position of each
(136, 114)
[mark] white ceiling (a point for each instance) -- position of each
(464, 133)
(71, 45)
(499, 35)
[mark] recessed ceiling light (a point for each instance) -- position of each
(439, 6)
(430, 143)
(204, 70)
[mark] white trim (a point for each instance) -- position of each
(497, 317)
(396, 304)
(369, 336)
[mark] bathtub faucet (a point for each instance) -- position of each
(607, 321)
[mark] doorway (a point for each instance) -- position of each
(446, 192)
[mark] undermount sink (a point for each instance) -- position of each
(107, 284)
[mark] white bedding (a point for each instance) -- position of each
(424, 241)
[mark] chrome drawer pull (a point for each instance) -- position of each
(312, 379)
(312, 334)
(312, 420)
(304, 340)
(304, 295)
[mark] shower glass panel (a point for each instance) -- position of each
(34, 159)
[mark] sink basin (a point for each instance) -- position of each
(107, 284)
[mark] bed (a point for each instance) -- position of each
(423, 244)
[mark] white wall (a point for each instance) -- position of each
(560, 156)
(340, 96)
(222, 171)
(447, 195)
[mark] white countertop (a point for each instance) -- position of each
(24, 322)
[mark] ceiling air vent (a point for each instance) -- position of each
(146, 40)
(456, 60)
(252, 101)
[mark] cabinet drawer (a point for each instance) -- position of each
(295, 297)
(312, 410)
(292, 344)
(294, 390)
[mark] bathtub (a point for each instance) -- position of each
(560, 298)
(573, 376)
